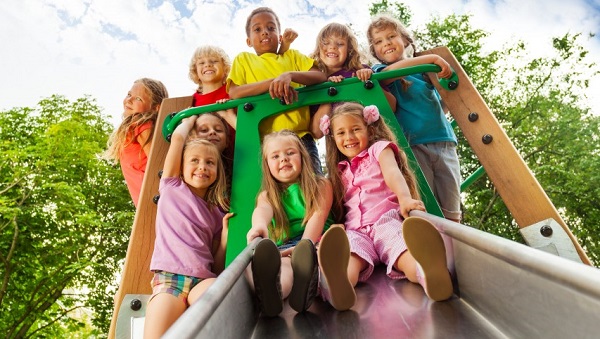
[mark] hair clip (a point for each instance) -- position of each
(371, 114)
(324, 124)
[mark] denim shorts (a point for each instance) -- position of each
(290, 243)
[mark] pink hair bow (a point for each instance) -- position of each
(371, 114)
(324, 124)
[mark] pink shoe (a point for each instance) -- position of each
(425, 244)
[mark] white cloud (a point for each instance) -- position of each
(99, 48)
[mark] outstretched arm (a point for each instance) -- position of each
(395, 181)
(219, 247)
(261, 218)
(446, 71)
(172, 166)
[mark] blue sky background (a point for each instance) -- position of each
(99, 47)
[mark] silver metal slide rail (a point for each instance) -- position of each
(515, 290)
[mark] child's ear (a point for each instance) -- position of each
(248, 42)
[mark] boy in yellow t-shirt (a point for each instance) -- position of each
(267, 71)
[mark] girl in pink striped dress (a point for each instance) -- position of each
(374, 191)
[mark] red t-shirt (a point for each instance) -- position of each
(133, 163)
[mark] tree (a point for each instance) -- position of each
(65, 218)
(541, 104)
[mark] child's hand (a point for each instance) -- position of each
(256, 232)
(226, 221)
(446, 71)
(287, 252)
(336, 78)
(222, 101)
(280, 88)
(289, 35)
(364, 74)
(408, 205)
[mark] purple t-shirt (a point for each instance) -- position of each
(367, 196)
(185, 230)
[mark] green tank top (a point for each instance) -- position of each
(295, 209)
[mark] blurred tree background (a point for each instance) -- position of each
(65, 220)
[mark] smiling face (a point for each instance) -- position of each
(263, 33)
(200, 166)
(387, 44)
(283, 159)
(138, 100)
(333, 51)
(210, 70)
(350, 133)
(209, 127)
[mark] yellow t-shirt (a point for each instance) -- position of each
(248, 68)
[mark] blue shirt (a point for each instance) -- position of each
(419, 111)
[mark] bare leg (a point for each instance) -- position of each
(355, 266)
(287, 277)
(162, 311)
(198, 290)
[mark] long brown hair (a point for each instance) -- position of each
(309, 183)
(354, 60)
(125, 133)
(378, 130)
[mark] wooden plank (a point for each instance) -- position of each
(136, 276)
(516, 184)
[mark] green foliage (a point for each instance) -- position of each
(65, 218)
(396, 9)
(540, 103)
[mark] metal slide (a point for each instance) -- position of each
(502, 288)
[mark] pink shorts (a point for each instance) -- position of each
(380, 243)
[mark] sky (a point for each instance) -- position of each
(99, 47)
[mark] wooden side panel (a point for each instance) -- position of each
(136, 275)
(519, 189)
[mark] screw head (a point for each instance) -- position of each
(248, 107)
(473, 116)
(452, 84)
(155, 198)
(546, 231)
(169, 137)
(332, 91)
(369, 84)
(486, 139)
(160, 174)
(135, 304)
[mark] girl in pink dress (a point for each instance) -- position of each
(374, 189)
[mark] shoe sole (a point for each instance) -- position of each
(334, 255)
(266, 265)
(304, 263)
(426, 245)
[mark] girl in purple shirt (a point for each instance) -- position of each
(191, 232)
(374, 189)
